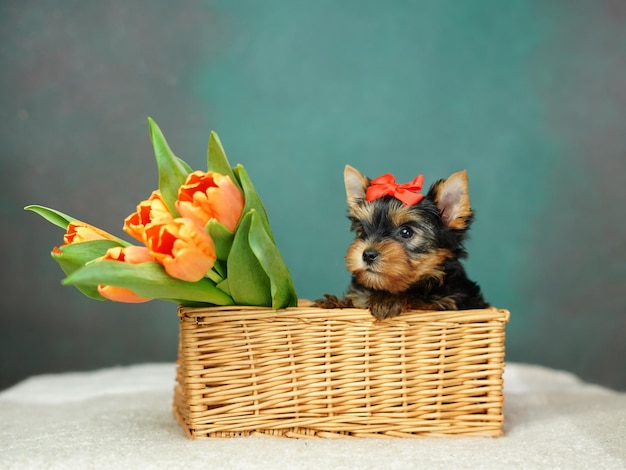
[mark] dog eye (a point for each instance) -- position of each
(406, 232)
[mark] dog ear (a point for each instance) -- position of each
(356, 184)
(452, 199)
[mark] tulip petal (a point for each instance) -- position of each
(209, 195)
(78, 232)
(121, 294)
(184, 248)
(149, 280)
(268, 255)
(217, 160)
(247, 281)
(149, 211)
(172, 173)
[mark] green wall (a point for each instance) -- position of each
(528, 96)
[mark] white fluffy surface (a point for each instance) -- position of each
(121, 418)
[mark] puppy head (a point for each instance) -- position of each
(398, 245)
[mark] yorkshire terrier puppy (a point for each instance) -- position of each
(408, 247)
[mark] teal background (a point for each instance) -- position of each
(528, 96)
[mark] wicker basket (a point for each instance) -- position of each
(308, 372)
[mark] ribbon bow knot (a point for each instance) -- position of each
(386, 185)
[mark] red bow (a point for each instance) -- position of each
(386, 185)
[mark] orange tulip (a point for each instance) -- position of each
(148, 211)
(78, 231)
(210, 195)
(184, 248)
(132, 255)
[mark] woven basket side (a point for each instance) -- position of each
(243, 371)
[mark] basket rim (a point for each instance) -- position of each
(304, 312)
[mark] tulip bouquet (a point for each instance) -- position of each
(205, 239)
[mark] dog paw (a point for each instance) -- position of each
(332, 301)
(385, 308)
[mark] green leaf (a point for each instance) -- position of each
(172, 171)
(217, 160)
(75, 256)
(223, 286)
(185, 165)
(252, 199)
(62, 220)
(247, 281)
(220, 268)
(148, 280)
(282, 289)
(222, 238)
(56, 217)
(89, 291)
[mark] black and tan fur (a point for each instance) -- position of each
(408, 257)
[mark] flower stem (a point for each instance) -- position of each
(216, 278)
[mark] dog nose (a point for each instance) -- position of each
(370, 255)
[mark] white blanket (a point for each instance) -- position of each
(121, 418)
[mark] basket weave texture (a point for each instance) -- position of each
(309, 372)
